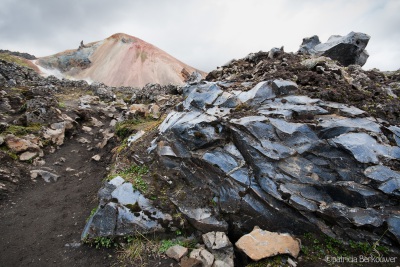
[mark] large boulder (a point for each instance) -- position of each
(348, 50)
(123, 211)
(286, 163)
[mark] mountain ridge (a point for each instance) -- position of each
(119, 60)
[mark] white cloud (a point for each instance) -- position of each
(204, 34)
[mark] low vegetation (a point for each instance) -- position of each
(317, 248)
(125, 128)
(134, 174)
(9, 152)
(22, 130)
(15, 59)
(141, 250)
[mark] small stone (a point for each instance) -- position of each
(176, 252)
(154, 111)
(69, 169)
(117, 181)
(73, 245)
(95, 122)
(190, 262)
(260, 244)
(86, 129)
(113, 123)
(1, 140)
(135, 137)
(320, 69)
(83, 140)
(38, 162)
(17, 144)
(203, 255)
(96, 157)
(46, 175)
(55, 135)
(282, 87)
(292, 262)
(216, 240)
(27, 156)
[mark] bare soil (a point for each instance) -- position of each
(41, 223)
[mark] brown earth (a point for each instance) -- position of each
(41, 222)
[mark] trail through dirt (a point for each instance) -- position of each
(41, 224)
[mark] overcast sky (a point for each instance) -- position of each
(202, 33)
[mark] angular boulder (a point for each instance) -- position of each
(348, 50)
(203, 255)
(260, 244)
(132, 212)
(285, 162)
(176, 252)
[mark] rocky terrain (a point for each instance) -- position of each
(119, 60)
(276, 159)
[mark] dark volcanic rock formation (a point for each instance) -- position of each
(284, 162)
(349, 49)
(289, 143)
(289, 163)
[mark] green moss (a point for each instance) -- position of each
(9, 152)
(166, 244)
(134, 174)
(61, 104)
(15, 59)
(103, 242)
(92, 212)
(317, 248)
(125, 128)
(277, 261)
(22, 130)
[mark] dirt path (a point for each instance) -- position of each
(39, 221)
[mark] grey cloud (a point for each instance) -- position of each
(204, 34)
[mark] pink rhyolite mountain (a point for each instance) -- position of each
(119, 60)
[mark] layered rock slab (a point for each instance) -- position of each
(260, 244)
(286, 162)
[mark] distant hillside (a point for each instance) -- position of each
(120, 60)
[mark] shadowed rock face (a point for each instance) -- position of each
(349, 49)
(120, 60)
(255, 156)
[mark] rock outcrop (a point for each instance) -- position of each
(130, 214)
(284, 162)
(348, 50)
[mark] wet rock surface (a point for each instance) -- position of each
(286, 162)
(124, 211)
